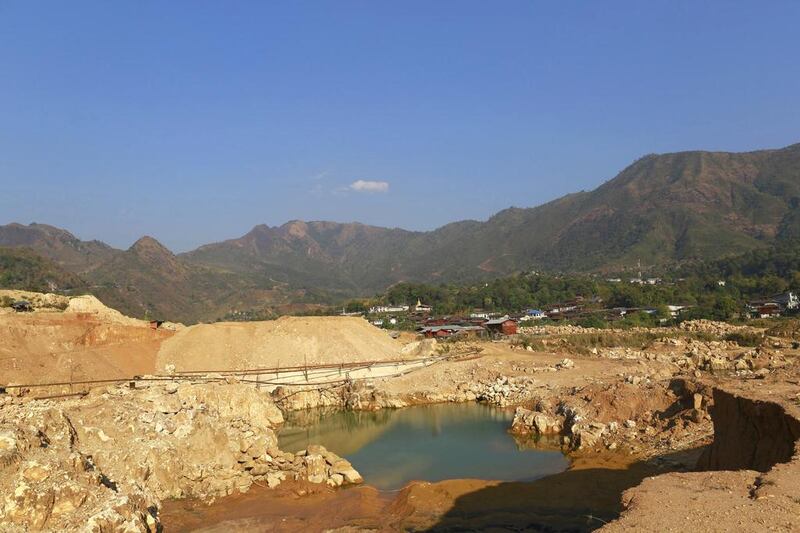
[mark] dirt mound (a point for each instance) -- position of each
(90, 304)
(49, 347)
(288, 341)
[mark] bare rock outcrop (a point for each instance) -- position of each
(749, 434)
(105, 462)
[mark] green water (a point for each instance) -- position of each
(445, 441)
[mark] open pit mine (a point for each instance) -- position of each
(109, 423)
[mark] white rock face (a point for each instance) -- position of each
(532, 422)
(104, 462)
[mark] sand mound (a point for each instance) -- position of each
(90, 304)
(288, 341)
(49, 347)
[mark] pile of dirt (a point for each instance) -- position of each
(54, 347)
(90, 304)
(288, 341)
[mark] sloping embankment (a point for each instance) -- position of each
(288, 341)
(749, 434)
(753, 475)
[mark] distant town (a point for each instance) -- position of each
(421, 318)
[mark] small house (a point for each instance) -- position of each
(533, 314)
(449, 330)
(502, 326)
(675, 310)
(766, 310)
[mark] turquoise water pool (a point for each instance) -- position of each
(434, 442)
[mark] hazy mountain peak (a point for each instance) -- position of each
(56, 244)
(147, 244)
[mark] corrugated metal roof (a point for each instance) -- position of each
(453, 327)
(497, 321)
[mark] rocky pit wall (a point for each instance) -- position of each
(749, 434)
(105, 462)
(753, 470)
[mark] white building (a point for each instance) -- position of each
(422, 308)
(388, 309)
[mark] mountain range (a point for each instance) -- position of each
(660, 210)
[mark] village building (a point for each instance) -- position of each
(378, 309)
(675, 310)
(449, 330)
(422, 308)
(534, 314)
(764, 310)
(787, 300)
(774, 306)
(503, 326)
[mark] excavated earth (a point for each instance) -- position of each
(686, 431)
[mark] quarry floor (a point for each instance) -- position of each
(655, 405)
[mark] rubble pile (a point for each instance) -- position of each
(639, 415)
(567, 329)
(503, 391)
(695, 357)
(106, 461)
(711, 327)
(323, 466)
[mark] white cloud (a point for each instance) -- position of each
(369, 186)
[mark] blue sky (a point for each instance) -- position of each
(194, 121)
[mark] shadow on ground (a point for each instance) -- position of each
(575, 500)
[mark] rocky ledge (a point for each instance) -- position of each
(106, 462)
